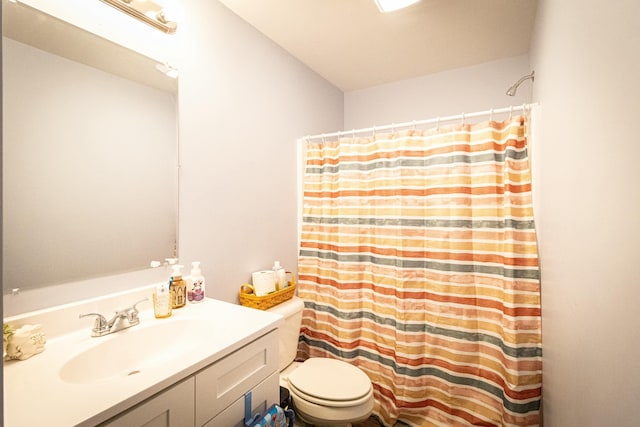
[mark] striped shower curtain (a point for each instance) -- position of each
(418, 264)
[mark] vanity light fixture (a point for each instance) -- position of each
(391, 5)
(167, 70)
(147, 11)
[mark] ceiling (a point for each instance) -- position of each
(354, 46)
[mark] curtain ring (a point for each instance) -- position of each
(510, 111)
(353, 133)
(414, 125)
(491, 114)
(463, 118)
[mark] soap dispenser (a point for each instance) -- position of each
(162, 301)
(196, 284)
(281, 276)
(178, 288)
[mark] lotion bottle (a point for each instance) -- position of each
(281, 276)
(196, 284)
(178, 288)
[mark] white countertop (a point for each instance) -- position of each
(35, 394)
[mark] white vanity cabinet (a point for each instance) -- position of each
(215, 395)
(172, 407)
(220, 388)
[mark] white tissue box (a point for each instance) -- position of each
(25, 342)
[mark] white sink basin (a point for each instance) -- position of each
(133, 351)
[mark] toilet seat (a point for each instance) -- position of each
(330, 382)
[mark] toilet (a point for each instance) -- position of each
(324, 391)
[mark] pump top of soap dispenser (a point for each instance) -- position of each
(177, 271)
(195, 268)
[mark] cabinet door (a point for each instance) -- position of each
(227, 380)
(263, 396)
(171, 408)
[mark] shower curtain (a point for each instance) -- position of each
(418, 264)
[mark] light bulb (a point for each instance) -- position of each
(173, 9)
(391, 5)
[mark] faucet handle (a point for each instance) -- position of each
(135, 308)
(132, 312)
(100, 323)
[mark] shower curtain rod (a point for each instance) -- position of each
(524, 108)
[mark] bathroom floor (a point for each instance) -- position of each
(371, 422)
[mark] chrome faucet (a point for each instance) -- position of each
(123, 319)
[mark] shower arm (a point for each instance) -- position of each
(513, 89)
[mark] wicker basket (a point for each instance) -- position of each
(249, 299)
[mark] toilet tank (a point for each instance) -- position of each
(288, 333)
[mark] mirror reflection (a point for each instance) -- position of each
(89, 155)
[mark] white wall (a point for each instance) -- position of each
(463, 90)
(243, 103)
(587, 62)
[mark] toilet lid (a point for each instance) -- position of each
(330, 379)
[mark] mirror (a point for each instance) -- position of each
(89, 155)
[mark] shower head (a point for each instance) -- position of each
(514, 87)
